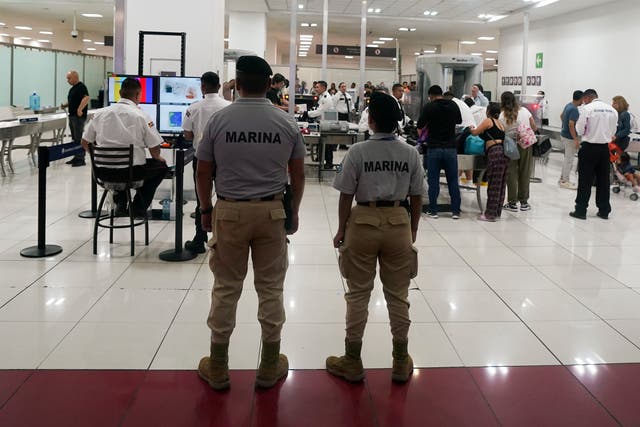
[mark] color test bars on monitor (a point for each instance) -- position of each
(147, 92)
(175, 95)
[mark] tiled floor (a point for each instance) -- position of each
(533, 320)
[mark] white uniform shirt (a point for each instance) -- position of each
(340, 100)
(363, 125)
(465, 112)
(199, 113)
(405, 119)
(325, 102)
(597, 123)
(120, 125)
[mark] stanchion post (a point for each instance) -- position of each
(42, 249)
(178, 253)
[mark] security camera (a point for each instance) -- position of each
(74, 34)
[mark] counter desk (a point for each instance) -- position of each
(10, 130)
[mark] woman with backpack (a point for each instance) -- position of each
(621, 139)
(519, 125)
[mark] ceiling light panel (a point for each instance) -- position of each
(91, 15)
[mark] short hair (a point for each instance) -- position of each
(405, 82)
(277, 78)
(470, 102)
(396, 86)
(341, 83)
(435, 90)
(384, 111)
(493, 110)
(578, 95)
(129, 88)
(448, 94)
(322, 83)
(480, 87)
(591, 93)
(210, 80)
(253, 84)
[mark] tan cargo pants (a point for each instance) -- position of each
(378, 235)
(238, 227)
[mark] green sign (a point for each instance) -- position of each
(539, 60)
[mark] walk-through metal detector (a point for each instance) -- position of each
(457, 73)
(183, 44)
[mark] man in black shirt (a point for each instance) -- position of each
(273, 94)
(77, 101)
(440, 117)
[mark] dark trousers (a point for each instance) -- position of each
(152, 173)
(436, 159)
(497, 165)
(76, 126)
(328, 155)
(593, 162)
(201, 235)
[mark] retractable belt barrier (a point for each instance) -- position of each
(46, 155)
(178, 253)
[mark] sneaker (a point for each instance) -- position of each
(455, 216)
(576, 215)
(433, 215)
(524, 206)
(511, 207)
(568, 185)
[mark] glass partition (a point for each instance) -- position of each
(65, 63)
(94, 74)
(33, 70)
(5, 75)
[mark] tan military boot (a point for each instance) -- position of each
(402, 362)
(273, 365)
(214, 369)
(348, 366)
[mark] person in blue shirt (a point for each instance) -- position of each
(570, 138)
(624, 122)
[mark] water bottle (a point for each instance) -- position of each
(34, 101)
(166, 206)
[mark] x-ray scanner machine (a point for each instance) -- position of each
(456, 73)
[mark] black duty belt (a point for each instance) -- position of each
(277, 196)
(385, 204)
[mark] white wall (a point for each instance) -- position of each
(204, 27)
(592, 48)
(337, 75)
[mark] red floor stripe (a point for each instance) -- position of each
(521, 396)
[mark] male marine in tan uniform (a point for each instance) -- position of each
(247, 148)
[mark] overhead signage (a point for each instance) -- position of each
(517, 81)
(380, 52)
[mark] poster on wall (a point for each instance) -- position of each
(517, 80)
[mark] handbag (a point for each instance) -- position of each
(526, 136)
(510, 148)
(474, 145)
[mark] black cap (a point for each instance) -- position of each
(254, 65)
(381, 104)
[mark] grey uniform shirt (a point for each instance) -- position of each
(382, 168)
(250, 144)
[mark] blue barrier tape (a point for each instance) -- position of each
(57, 152)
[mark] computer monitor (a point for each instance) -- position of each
(146, 95)
(171, 117)
(331, 116)
(180, 90)
(151, 110)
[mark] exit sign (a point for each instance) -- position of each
(539, 60)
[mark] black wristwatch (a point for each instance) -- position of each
(206, 211)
